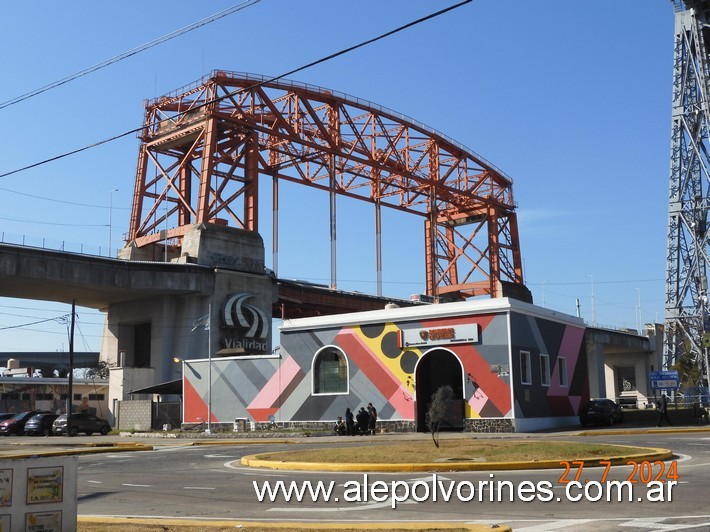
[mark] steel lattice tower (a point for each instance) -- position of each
(687, 326)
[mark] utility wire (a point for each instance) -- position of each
(52, 223)
(59, 319)
(129, 53)
(35, 196)
(265, 82)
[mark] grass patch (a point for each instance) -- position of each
(453, 450)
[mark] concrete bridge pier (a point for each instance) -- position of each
(229, 316)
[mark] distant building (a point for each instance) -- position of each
(47, 362)
(19, 394)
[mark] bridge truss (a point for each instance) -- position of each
(687, 327)
(204, 147)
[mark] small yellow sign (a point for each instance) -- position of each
(45, 484)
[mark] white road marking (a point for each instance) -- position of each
(359, 507)
(250, 474)
(94, 482)
(556, 525)
(137, 485)
(197, 488)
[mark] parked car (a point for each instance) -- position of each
(40, 424)
(80, 422)
(7, 415)
(601, 411)
(16, 424)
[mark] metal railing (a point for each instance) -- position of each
(52, 244)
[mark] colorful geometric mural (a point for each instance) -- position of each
(563, 394)
(479, 351)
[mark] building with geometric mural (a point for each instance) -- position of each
(512, 366)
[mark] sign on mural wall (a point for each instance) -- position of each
(245, 327)
(431, 336)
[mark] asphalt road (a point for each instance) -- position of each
(209, 482)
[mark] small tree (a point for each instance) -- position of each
(101, 371)
(438, 408)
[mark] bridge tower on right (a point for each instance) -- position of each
(687, 323)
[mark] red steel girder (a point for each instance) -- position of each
(216, 136)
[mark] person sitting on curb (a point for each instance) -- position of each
(339, 427)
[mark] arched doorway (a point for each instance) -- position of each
(437, 368)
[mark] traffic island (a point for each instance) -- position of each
(455, 455)
(110, 524)
(85, 448)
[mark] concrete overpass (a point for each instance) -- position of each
(94, 282)
(98, 282)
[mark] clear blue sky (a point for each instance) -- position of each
(571, 99)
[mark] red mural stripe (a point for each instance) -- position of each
(495, 388)
(367, 362)
(195, 406)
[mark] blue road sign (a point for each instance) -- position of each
(664, 380)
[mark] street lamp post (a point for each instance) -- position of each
(205, 323)
(110, 216)
(209, 369)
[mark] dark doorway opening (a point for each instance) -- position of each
(141, 347)
(435, 369)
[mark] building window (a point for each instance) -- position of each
(77, 397)
(10, 396)
(44, 397)
(525, 368)
(330, 372)
(96, 397)
(562, 366)
(544, 369)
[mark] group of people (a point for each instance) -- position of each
(362, 423)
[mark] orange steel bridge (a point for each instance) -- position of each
(204, 147)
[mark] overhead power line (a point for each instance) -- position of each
(55, 200)
(266, 81)
(58, 319)
(129, 53)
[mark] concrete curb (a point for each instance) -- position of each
(288, 525)
(648, 454)
(88, 448)
(654, 430)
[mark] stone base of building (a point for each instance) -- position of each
(480, 425)
(484, 425)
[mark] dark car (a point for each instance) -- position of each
(16, 424)
(600, 411)
(40, 424)
(80, 422)
(5, 415)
